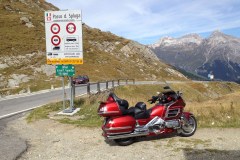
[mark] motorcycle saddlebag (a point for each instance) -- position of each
(107, 109)
(119, 125)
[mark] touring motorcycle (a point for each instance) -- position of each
(124, 125)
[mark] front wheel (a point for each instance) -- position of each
(189, 127)
(124, 141)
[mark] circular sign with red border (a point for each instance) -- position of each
(56, 40)
(71, 28)
(55, 28)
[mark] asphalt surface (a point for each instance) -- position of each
(20, 103)
(11, 144)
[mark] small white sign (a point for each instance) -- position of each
(64, 37)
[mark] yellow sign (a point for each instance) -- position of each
(64, 61)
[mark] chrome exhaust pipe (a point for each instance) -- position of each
(134, 134)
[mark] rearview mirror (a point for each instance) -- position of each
(179, 93)
(166, 87)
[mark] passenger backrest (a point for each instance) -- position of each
(141, 111)
(123, 103)
(141, 105)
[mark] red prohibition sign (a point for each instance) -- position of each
(55, 28)
(55, 40)
(71, 28)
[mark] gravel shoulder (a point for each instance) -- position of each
(48, 139)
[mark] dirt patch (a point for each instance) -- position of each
(52, 140)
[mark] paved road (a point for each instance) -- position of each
(15, 104)
(20, 103)
(12, 145)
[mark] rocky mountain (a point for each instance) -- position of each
(106, 56)
(219, 54)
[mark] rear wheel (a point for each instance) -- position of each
(124, 141)
(189, 128)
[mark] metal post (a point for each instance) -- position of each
(98, 87)
(63, 93)
(126, 81)
(74, 90)
(107, 85)
(88, 88)
(71, 100)
(133, 81)
(112, 83)
(119, 82)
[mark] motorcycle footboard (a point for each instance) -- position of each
(134, 134)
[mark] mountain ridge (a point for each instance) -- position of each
(168, 41)
(203, 55)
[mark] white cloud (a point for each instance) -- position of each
(148, 19)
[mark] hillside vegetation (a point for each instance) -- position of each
(106, 56)
(215, 104)
(15, 37)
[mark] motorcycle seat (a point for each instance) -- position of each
(122, 103)
(139, 111)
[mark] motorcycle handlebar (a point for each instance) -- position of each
(161, 97)
(154, 99)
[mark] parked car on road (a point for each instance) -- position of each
(81, 79)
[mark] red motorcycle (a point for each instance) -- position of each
(123, 124)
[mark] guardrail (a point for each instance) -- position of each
(103, 85)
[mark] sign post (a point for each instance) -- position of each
(66, 70)
(64, 96)
(64, 45)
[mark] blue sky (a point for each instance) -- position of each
(146, 21)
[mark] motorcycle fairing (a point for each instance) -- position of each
(119, 125)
